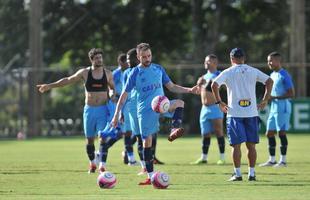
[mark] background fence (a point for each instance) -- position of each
(63, 107)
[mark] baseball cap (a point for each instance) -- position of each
(237, 53)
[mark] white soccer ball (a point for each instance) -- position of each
(160, 104)
(106, 180)
(160, 180)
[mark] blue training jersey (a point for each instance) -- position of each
(282, 82)
(132, 95)
(148, 82)
(118, 80)
(211, 76)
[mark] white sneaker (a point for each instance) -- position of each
(280, 164)
(268, 164)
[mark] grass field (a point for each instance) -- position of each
(56, 169)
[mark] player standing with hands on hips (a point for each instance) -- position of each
(242, 115)
(148, 80)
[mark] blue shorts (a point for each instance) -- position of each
(148, 121)
(207, 114)
(126, 125)
(94, 119)
(278, 121)
(241, 130)
(133, 120)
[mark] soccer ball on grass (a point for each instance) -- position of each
(160, 180)
(106, 180)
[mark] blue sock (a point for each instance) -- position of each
(177, 117)
(272, 146)
(140, 148)
(103, 149)
(128, 145)
(284, 143)
(90, 149)
(205, 145)
(148, 158)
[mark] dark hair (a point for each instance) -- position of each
(212, 56)
(237, 53)
(121, 58)
(132, 52)
(93, 52)
(275, 54)
(143, 47)
(133, 60)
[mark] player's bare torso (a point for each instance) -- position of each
(95, 98)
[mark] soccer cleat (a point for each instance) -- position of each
(125, 157)
(280, 164)
(142, 172)
(220, 162)
(133, 163)
(157, 162)
(252, 178)
(268, 164)
(235, 178)
(92, 168)
(146, 182)
(175, 133)
(199, 162)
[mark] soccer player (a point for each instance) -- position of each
(211, 117)
(280, 110)
(131, 102)
(148, 79)
(242, 115)
(97, 81)
(118, 77)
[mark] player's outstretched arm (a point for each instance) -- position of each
(61, 82)
(119, 106)
(180, 89)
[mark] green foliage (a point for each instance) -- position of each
(66, 102)
(13, 31)
(57, 169)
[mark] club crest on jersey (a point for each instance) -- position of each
(244, 102)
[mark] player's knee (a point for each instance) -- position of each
(179, 103)
(250, 146)
(127, 134)
(282, 133)
(218, 132)
(270, 133)
(90, 141)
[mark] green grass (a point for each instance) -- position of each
(56, 169)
